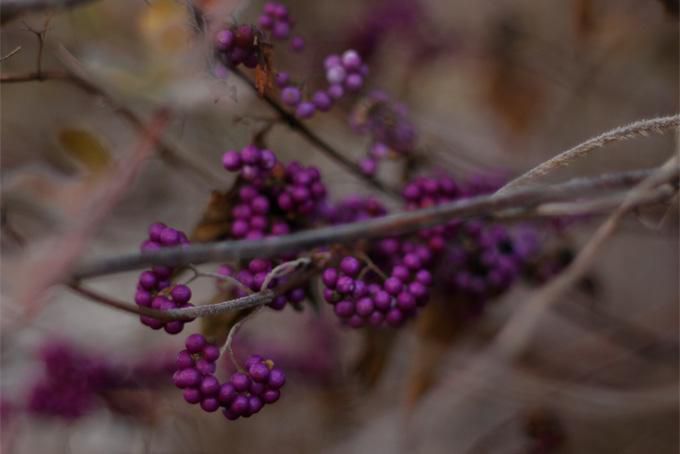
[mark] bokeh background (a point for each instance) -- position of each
(491, 86)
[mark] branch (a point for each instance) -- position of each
(168, 153)
(318, 142)
(258, 299)
(398, 223)
(13, 8)
(517, 333)
(637, 129)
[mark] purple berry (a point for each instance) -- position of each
(231, 160)
(277, 378)
(350, 266)
(291, 96)
(191, 395)
(210, 404)
(195, 343)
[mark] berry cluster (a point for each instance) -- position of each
(276, 19)
(389, 126)
(71, 382)
(397, 299)
(238, 45)
(253, 164)
(302, 190)
(344, 73)
(253, 277)
(353, 209)
(424, 192)
(154, 287)
(486, 260)
(243, 395)
(247, 392)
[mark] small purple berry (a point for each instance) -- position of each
(195, 343)
(210, 404)
(192, 395)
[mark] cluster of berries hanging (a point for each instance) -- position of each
(243, 395)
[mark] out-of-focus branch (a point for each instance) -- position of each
(636, 129)
(398, 223)
(66, 247)
(10, 9)
(318, 142)
(168, 152)
(514, 337)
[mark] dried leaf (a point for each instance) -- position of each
(263, 72)
(440, 323)
(216, 220)
(376, 347)
(165, 27)
(86, 149)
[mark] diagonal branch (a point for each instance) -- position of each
(318, 142)
(633, 130)
(167, 152)
(403, 222)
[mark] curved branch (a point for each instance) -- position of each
(637, 129)
(403, 222)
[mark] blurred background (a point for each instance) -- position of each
(491, 86)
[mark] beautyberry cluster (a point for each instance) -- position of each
(71, 383)
(247, 392)
(425, 192)
(276, 19)
(238, 45)
(302, 190)
(253, 277)
(484, 262)
(359, 303)
(154, 287)
(243, 395)
(353, 209)
(344, 73)
(389, 126)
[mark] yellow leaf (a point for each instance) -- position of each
(86, 149)
(165, 27)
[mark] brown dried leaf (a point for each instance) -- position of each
(376, 347)
(216, 220)
(439, 324)
(264, 73)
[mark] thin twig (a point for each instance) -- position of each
(318, 142)
(169, 153)
(636, 129)
(260, 298)
(13, 8)
(16, 49)
(516, 334)
(402, 222)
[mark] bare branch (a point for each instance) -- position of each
(388, 225)
(637, 129)
(516, 334)
(14, 8)
(318, 142)
(170, 154)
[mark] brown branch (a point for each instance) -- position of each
(11, 9)
(168, 153)
(516, 334)
(249, 301)
(318, 142)
(403, 222)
